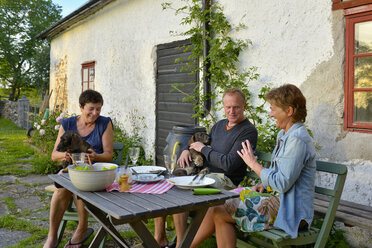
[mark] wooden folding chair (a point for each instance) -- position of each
(278, 238)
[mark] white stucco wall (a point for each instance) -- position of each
(121, 38)
(302, 42)
(294, 41)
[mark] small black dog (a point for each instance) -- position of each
(197, 163)
(71, 142)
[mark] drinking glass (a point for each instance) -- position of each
(170, 162)
(134, 154)
(78, 157)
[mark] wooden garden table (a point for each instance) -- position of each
(115, 208)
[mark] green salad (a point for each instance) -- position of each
(86, 168)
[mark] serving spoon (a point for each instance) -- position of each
(90, 163)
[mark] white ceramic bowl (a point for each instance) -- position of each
(95, 180)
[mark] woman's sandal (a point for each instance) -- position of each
(87, 235)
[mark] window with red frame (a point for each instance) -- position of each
(87, 76)
(343, 4)
(358, 69)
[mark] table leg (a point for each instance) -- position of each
(144, 234)
(97, 240)
(107, 225)
(193, 227)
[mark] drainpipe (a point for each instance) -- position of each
(207, 86)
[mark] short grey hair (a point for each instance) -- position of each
(235, 91)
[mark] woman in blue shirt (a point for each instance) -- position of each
(98, 132)
(291, 173)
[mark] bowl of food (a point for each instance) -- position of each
(85, 179)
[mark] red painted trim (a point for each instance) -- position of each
(347, 72)
(338, 4)
(357, 10)
(87, 65)
(350, 56)
(358, 130)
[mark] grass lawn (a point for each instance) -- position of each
(16, 158)
(13, 153)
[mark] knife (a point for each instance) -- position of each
(134, 172)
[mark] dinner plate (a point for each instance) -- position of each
(147, 178)
(184, 182)
(149, 169)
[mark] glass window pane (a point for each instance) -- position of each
(363, 72)
(91, 86)
(91, 74)
(85, 74)
(363, 37)
(363, 107)
(85, 86)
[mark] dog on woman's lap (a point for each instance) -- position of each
(197, 163)
(71, 142)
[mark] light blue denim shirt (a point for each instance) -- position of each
(292, 174)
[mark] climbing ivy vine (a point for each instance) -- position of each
(224, 71)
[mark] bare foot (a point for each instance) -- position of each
(79, 238)
(50, 243)
(162, 241)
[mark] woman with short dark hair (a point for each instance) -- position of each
(291, 174)
(90, 96)
(97, 130)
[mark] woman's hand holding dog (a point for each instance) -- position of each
(67, 157)
(92, 155)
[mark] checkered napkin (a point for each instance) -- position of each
(159, 187)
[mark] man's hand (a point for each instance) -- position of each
(197, 146)
(259, 188)
(185, 159)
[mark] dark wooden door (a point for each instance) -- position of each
(170, 110)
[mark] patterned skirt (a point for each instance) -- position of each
(253, 211)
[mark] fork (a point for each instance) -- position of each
(192, 181)
(201, 178)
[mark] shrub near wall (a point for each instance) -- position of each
(44, 137)
(47, 130)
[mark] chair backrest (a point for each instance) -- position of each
(265, 158)
(334, 194)
(118, 149)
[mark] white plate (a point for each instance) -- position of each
(184, 182)
(148, 169)
(147, 178)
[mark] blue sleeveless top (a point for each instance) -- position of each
(94, 138)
